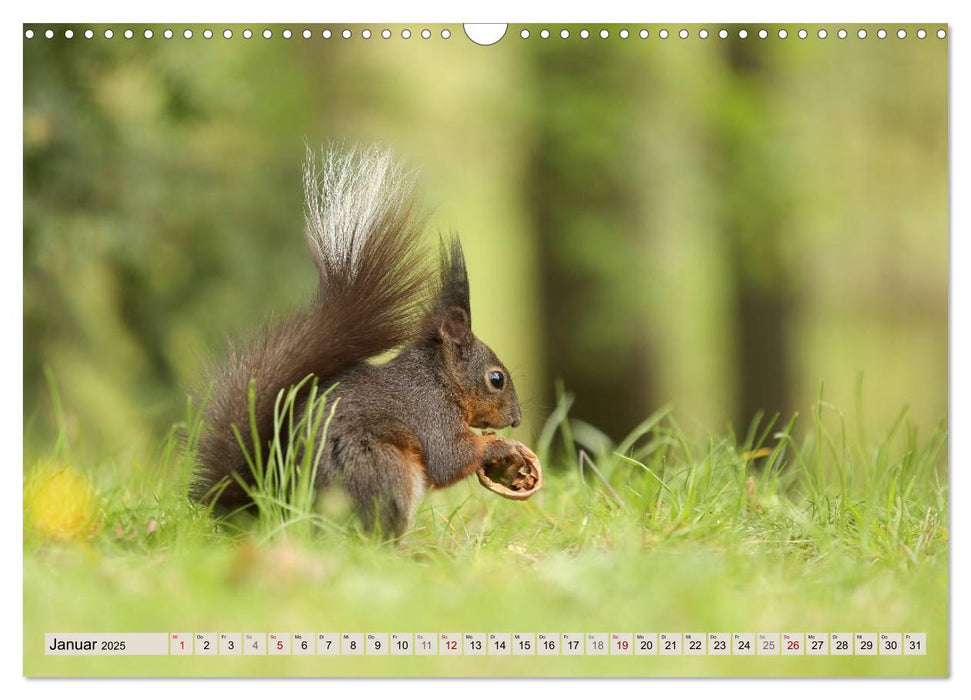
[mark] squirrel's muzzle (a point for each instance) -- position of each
(517, 416)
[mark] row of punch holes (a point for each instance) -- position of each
(246, 34)
(724, 34)
(525, 34)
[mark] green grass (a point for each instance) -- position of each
(763, 532)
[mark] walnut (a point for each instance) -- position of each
(516, 477)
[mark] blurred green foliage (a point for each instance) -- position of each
(632, 210)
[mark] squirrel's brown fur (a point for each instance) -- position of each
(402, 426)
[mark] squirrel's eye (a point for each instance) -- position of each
(496, 379)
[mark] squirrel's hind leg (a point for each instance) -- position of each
(385, 483)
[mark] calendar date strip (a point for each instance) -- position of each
(486, 644)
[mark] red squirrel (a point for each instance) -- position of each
(400, 427)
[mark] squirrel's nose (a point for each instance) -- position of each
(515, 422)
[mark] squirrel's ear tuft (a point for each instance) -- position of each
(454, 284)
(450, 318)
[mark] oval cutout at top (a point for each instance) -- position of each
(485, 34)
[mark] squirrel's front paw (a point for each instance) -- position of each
(511, 470)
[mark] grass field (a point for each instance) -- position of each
(831, 531)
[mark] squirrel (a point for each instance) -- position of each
(402, 427)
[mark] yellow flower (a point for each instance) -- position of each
(59, 503)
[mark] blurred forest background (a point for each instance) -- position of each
(721, 224)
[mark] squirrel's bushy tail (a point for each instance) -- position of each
(363, 226)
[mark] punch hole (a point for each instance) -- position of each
(703, 33)
(306, 34)
(783, 33)
(821, 34)
(643, 34)
(228, 34)
(346, 33)
(841, 33)
(168, 34)
(763, 34)
(882, 34)
(584, 34)
(187, 34)
(405, 33)
(743, 34)
(385, 33)
(148, 34)
(287, 34)
(29, 34)
(663, 33)
(524, 34)
(564, 33)
(624, 33)
(267, 33)
(861, 33)
(446, 33)
(207, 34)
(49, 33)
(921, 34)
(722, 33)
(941, 34)
(901, 33)
(108, 34)
(326, 34)
(68, 33)
(486, 34)
(425, 34)
(366, 34)
(545, 34)
(803, 34)
(88, 34)
(129, 33)
(604, 33)
(683, 34)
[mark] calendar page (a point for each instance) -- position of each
(485, 350)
